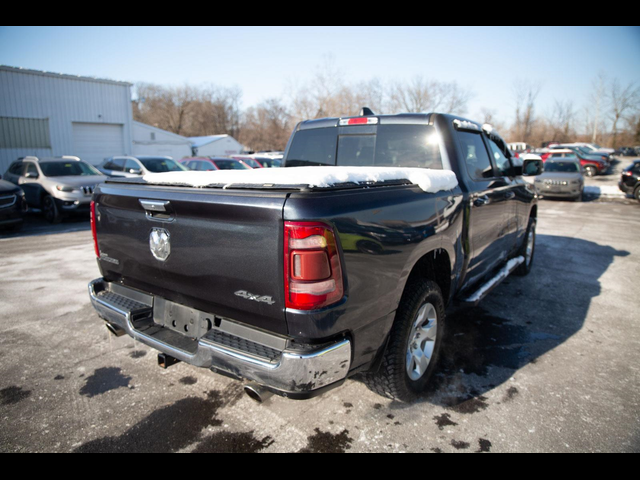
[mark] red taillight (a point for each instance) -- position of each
(93, 229)
(312, 269)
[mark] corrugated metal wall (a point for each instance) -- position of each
(62, 100)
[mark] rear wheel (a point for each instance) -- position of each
(50, 210)
(414, 344)
(527, 250)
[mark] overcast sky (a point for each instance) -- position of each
(264, 61)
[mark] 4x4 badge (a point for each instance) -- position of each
(255, 298)
(160, 244)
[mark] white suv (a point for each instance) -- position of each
(59, 186)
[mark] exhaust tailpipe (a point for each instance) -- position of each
(115, 330)
(257, 393)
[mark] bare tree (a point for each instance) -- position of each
(420, 95)
(562, 121)
(267, 126)
(217, 111)
(597, 99)
(624, 100)
(166, 108)
(525, 94)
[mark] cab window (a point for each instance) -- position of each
(500, 159)
(475, 155)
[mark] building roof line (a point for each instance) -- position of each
(27, 71)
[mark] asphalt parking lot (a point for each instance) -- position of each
(548, 363)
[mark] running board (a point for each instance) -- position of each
(487, 288)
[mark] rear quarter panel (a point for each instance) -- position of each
(383, 233)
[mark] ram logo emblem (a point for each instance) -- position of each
(160, 244)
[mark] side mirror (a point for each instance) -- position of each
(531, 168)
(31, 175)
(135, 171)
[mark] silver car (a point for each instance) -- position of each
(562, 178)
(59, 186)
(129, 166)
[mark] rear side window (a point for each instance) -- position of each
(475, 155)
(313, 147)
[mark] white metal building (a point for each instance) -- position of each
(52, 114)
(216, 146)
(148, 140)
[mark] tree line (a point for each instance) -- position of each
(610, 116)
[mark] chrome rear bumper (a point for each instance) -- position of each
(290, 372)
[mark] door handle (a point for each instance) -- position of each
(481, 201)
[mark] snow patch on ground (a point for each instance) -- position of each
(604, 191)
(431, 181)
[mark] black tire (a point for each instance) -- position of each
(579, 198)
(392, 380)
(590, 171)
(50, 210)
(525, 267)
(636, 193)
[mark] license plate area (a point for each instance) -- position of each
(187, 321)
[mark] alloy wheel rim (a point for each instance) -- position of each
(422, 341)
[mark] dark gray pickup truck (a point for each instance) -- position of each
(295, 287)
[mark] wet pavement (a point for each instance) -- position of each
(547, 363)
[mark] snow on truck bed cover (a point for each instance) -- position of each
(431, 181)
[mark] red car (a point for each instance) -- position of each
(251, 162)
(592, 167)
(207, 164)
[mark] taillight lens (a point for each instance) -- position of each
(313, 273)
(93, 229)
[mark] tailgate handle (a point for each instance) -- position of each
(157, 209)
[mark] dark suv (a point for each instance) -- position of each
(630, 181)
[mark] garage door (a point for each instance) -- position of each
(93, 142)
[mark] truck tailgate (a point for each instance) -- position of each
(226, 253)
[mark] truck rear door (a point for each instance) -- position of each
(225, 248)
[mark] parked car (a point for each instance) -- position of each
(276, 295)
(630, 181)
(584, 152)
(206, 164)
(592, 165)
(127, 166)
(59, 186)
(562, 178)
(626, 152)
(594, 148)
(13, 206)
(268, 162)
(250, 162)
